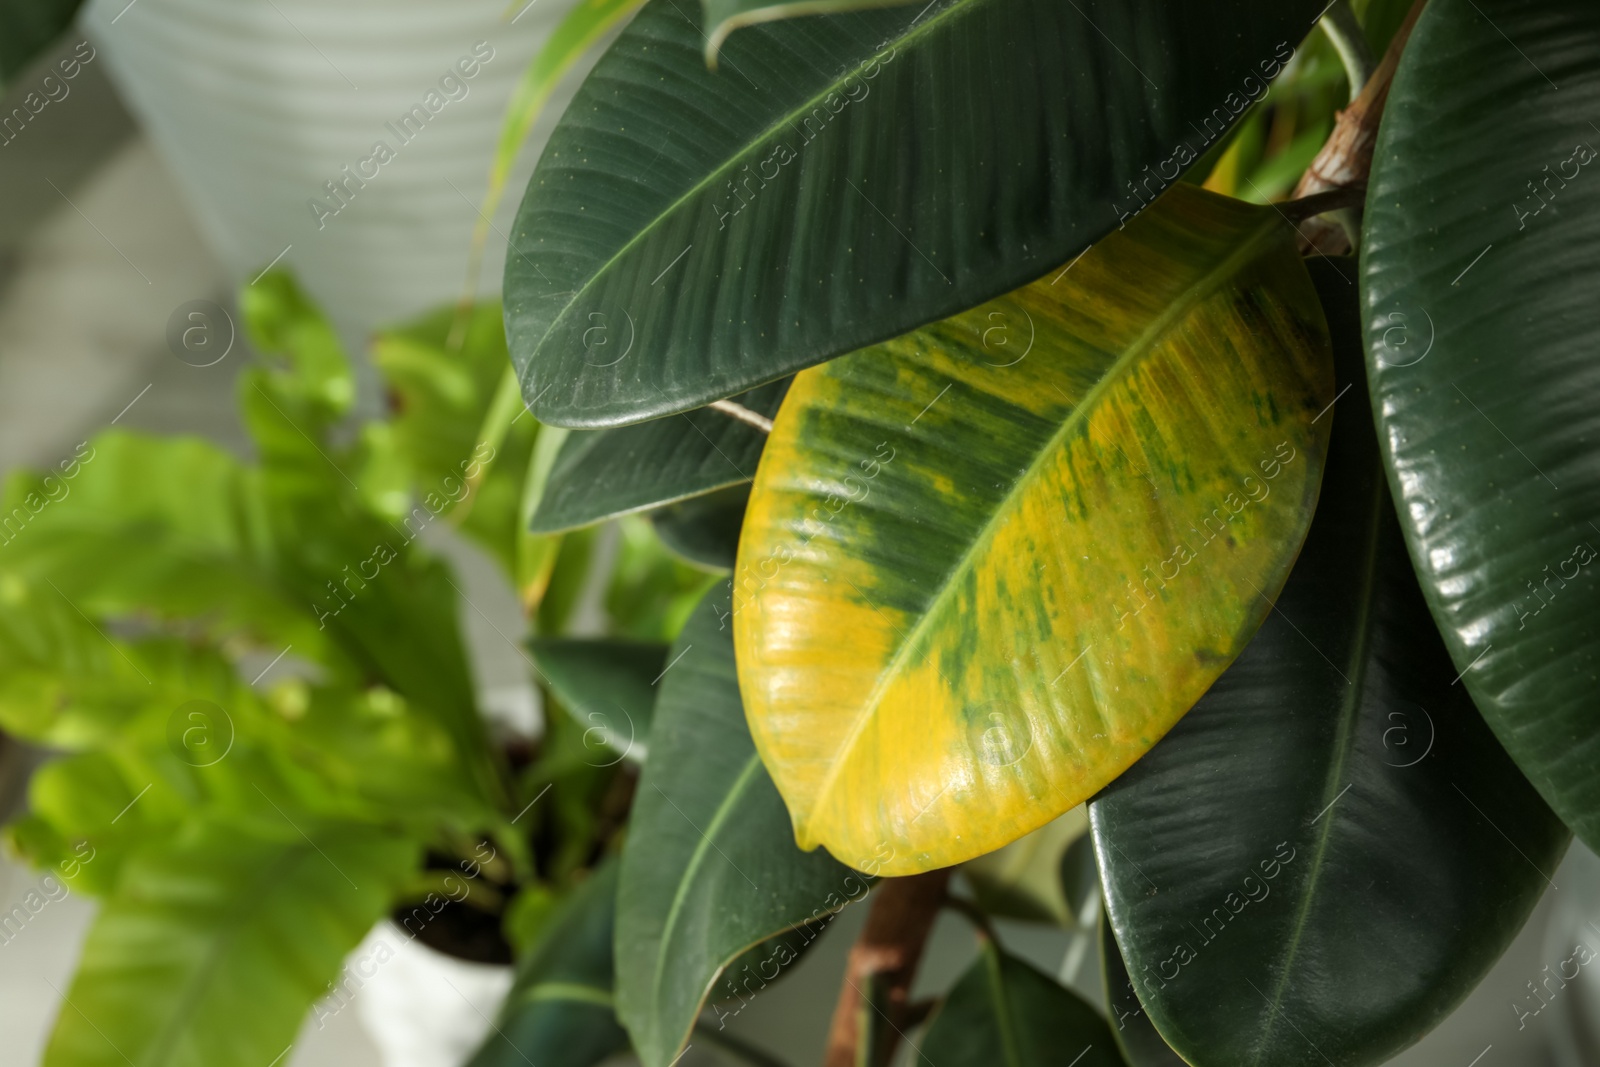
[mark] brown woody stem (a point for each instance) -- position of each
(886, 955)
(1346, 159)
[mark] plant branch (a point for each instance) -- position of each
(1346, 160)
(1344, 32)
(886, 953)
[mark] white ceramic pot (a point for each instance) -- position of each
(257, 105)
(420, 1007)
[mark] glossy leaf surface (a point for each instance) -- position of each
(752, 970)
(215, 943)
(1331, 849)
(1482, 259)
(987, 565)
(709, 868)
(690, 234)
(705, 529)
(607, 684)
(559, 1011)
(599, 474)
(585, 25)
(1004, 1013)
(1141, 1045)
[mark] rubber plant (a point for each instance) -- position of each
(1182, 410)
(1138, 462)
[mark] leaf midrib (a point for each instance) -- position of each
(291, 853)
(1358, 661)
(958, 7)
(696, 859)
(1000, 995)
(1270, 227)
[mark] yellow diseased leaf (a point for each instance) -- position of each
(988, 564)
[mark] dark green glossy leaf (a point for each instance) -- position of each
(559, 1011)
(751, 971)
(1482, 255)
(599, 474)
(580, 29)
(1004, 1013)
(1331, 849)
(607, 684)
(842, 180)
(710, 867)
(1141, 1045)
(704, 529)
